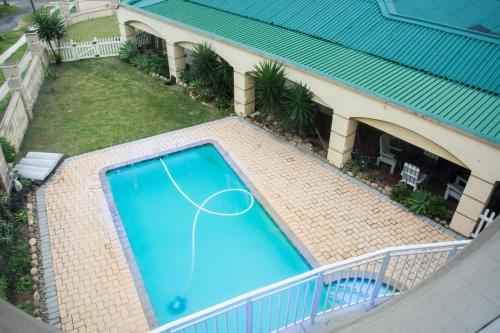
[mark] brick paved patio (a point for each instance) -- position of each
(333, 216)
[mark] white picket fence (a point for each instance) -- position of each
(98, 47)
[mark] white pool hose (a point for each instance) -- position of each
(201, 208)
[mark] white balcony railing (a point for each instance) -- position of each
(364, 279)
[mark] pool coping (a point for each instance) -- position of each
(122, 235)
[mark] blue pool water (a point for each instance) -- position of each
(233, 254)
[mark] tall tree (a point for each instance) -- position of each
(49, 28)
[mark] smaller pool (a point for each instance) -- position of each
(350, 291)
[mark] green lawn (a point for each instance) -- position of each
(100, 27)
(6, 10)
(102, 102)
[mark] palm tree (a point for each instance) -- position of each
(49, 28)
(298, 107)
(205, 62)
(270, 88)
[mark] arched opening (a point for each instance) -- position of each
(207, 75)
(386, 154)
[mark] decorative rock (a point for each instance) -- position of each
(35, 279)
(31, 229)
(31, 235)
(36, 304)
(374, 185)
(31, 221)
(37, 313)
(32, 241)
(34, 256)
(436, 219)
(34, 263)
(29, 205)
(350, 173)
(32, 249)
(254, 114)
(34, 271)
(34, 287)
(36, 296)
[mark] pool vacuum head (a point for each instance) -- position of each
(178, 305)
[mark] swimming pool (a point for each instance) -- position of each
(192, 201)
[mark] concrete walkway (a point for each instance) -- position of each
(331, 215)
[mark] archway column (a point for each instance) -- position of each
(472, 203)
(341, 140)
(244, 93)
(127, 33)
(176, 59)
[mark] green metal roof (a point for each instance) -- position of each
(469, 109)
(467, 57)
(483, 16)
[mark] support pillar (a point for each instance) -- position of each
(127, 33)
(341, 140)
(244, 93)
(176, 60)
(472, 203)
(12, 75)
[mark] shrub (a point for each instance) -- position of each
(298, 108)
(223, 103)
(418, 202)
(437, 207)
(22, 216)
(26, 307)
(127, 51)
(143, 62)
(3, 287)
(401, 192)
(205, 63)
(9, 151)
(186, 75)
(159, 65)
(270, 88)
(365, 162)
(352, 166)
(23, 284)
(18, 260)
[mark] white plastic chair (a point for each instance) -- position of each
(412, 176)
(385, 155)
(455, 189)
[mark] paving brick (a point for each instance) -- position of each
(333, 216)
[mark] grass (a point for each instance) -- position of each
(102, 102)
(100, 27)
(9, 38)
(7, 10)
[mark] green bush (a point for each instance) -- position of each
(3, 287)
(401, 192)
(418, 202)
(437, 207)
(366, 163)
(23, 285)
(18, 261)
(9, 151)
(186, 75)
(26, 307)
(159, 65)
(127, 51)
(143, 62)
(352, 166)
(22, 216)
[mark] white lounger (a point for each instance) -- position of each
(37, 166)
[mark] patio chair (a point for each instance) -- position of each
(385, 155)
(455, 189)
(412, 176)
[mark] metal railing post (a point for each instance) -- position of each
(380, 277)
(317, 296)
(249, 310)
(451, 253)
